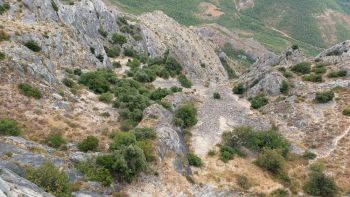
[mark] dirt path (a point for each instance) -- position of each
(334, 145)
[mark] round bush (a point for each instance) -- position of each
(9, 127)
(88, 144)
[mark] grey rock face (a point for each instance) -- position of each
(269, 85)
(162, 33)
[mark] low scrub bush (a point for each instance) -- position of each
(216, 95)
(4, 7)
(321, 185)
(186, 116)
(103, 32)
(51, 179)
(119, 39)
(106, 97)
(90, 143)
(335, 74)
(239, 89)
(68, 82)
(243, 182)
(94, 172)
(313, 78)
(320, 69)
(324, 97)
(2, 56)
(29, 91)
(98, 81)
(32, 45)
(112, 52)
(272, 161)
(186, 83)
(9, 127)
(302, 68)
(194, 160)
(4, 36)
(159, 94)
(346, 111)
(309, 155)
(55, 140)
(259, 102)
(284, 87)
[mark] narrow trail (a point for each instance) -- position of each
(335, 144)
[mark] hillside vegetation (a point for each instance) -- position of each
(313, 24)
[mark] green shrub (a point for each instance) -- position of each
(119, 39)
(175, 89)
(173, 67)
(320, 69)
(32, 45)
(159, 94)
(4, 7)
(54, 6)
(227, 153)
(90, 143)
(272, 161)
(309, 155)
(239, 89)
(77, 71)
(186, 83)
(103, 33)
(51, 179)
(230, 72)
(55, 140)
(324, 97)
(186, 115)
(321, 185)
(117, 65)
(313, 78)
(302, 68)
(259, 102)
(29, 90)
(94, 172)
(122, 139)
(126, 162)
(130, 52)
(284, 87)
(295, 47)
(216, 95)
(4, 36)
(194, 160)
(147, 147)
(98, 81)
(9, 127)
(106, 97)
(68, 82)
(254, 140)
(112, 52)
(92, 50)
(346, 111)
(100, 57)
(2, 56)
(340, 73)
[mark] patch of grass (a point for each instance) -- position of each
(313, 78)
(243, 182)
(94, 172)
(9, 127)
(4, 36)
(106, 98)
(320, 69)
(29, 91)
(309, 155)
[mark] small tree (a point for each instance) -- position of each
(321, 185)
(186, 115)
(272, 161)
(88, 144)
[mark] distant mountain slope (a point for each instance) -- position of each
(313, 24)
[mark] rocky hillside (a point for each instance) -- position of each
(96, 102)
